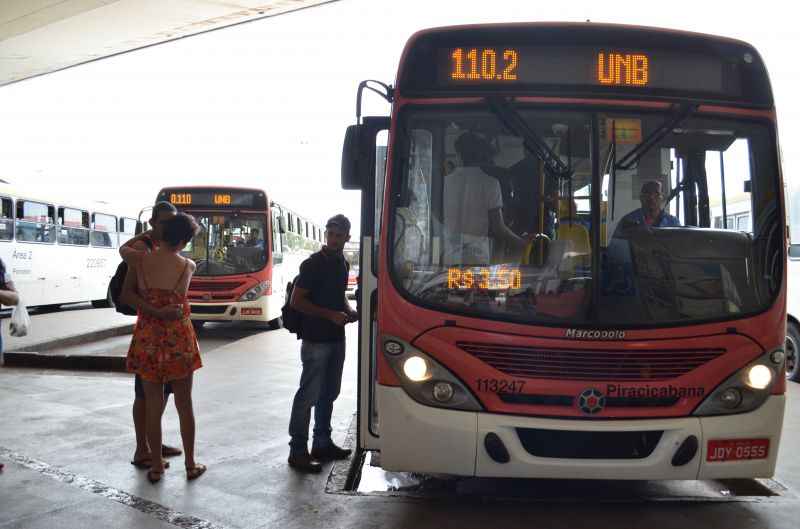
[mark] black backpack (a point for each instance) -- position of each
(115, 285)
(292, 318)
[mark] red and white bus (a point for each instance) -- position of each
(249, 248)
(612, 346)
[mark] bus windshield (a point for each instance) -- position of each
(228, 244)
(685, 216)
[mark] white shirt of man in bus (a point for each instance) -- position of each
(473, 207)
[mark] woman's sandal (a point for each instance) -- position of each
(195, 472)
(154, 476)
(146, 463)
(170, 451)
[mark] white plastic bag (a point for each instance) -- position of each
(20, 321)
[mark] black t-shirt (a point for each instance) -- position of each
(325, 277)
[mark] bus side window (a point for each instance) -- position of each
(6, 220)
(103, 232)
(73, 227)
(35, 222)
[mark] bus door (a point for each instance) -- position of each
(281, 274)
(363, 168)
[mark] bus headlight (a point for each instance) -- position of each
(256, 292)
(745, 390)
(731, 398)
(443, 391)
(416, 369)
(758, 376)
(425, 380)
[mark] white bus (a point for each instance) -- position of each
(59, 253)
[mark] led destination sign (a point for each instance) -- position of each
(214, 199)
(484, 278)
(588, 66)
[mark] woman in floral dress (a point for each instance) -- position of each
(164, 346)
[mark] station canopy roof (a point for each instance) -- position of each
(43, 36)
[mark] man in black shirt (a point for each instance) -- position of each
(319, 293)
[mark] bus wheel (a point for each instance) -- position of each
(198, 324)
(104, 303)
(792, 351)
(275, 324)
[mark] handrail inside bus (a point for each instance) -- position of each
(536, 145)
(682, 112)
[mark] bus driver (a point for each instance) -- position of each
(651, 213)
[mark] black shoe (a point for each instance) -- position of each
(330, 453)
(305, 463)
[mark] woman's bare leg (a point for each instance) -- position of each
(154, 403)
(182, 389)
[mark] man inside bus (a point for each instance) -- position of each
(145, 242)
(651, 214)
(253, 239)
(473, 207)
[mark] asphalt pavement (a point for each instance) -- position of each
(66, 440)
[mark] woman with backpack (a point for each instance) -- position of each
(164, 346)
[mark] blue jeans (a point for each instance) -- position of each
(319, 386)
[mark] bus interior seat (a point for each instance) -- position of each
(576, 239)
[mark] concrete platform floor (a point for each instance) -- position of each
(66, 439)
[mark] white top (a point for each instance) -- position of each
(469, 196)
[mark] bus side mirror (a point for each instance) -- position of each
(358, 152)
(352, 166)
(281, 225)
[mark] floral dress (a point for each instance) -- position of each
(163, 350)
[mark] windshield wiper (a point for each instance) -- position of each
(632, 158)
(553, 164)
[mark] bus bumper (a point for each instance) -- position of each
(417, 438)
(262, 309)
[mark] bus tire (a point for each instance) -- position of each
(198, 324)
(276, 324)
(792, 351)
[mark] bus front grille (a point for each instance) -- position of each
(576, 364)
(209, 309)
(588, 445)
(213, 286)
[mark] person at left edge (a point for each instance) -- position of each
(9, 297)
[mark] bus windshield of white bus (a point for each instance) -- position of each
(228, 244)
(500, 217)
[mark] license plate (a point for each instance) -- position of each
(737, 449)
(251, 312)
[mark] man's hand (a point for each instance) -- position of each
(352, 316)
(339, 318)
